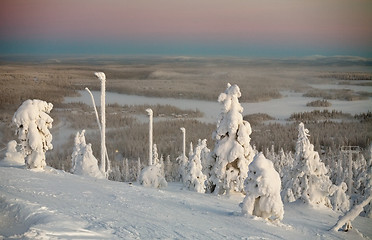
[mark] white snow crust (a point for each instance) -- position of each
(57, 205)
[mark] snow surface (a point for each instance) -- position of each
(52, 204)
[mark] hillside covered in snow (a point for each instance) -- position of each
(52, 204)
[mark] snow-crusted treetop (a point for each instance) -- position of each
(302, 141)
(101, 76)
(231, 112)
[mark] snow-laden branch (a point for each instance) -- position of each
(351, 215)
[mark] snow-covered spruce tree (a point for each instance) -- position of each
(83, 161)
(153, 175)
(12, 156)
(262, 187)
(194, 178)
(310, 181)
(232, 152)
(339, 199)
(33, 124)
(207, 164)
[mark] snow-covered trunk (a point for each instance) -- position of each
(103, 121)
(183, 143)
(350, 174)
(150, 113)
(102, 77)
(100, 129)
(138, 169)
(351, 215)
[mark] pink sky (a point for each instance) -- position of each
(303, 22)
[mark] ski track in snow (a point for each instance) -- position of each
(52, 204)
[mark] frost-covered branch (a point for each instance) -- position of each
(351, 215)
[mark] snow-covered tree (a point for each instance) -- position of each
(233, 152)
(83, 161)
(155, 155)
(126, 170)
(262, 187)
(194, 178)
(33, 124)
(12, 156)
(339, 199)
(310, 181)
(153, 175)
(138, 169)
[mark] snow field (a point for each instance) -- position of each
(52, 204)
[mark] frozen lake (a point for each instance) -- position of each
(280, 109)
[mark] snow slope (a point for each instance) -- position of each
(52, 204)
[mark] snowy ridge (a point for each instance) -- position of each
(52, 204)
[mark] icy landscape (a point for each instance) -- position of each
(230, 191)
(195, 119)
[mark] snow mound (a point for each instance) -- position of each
(12, 156)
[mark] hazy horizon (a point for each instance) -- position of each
(192, 28)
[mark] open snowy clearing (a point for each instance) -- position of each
(52, 204)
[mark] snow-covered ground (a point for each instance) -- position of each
(52, 204)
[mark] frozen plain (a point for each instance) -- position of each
(53, 204)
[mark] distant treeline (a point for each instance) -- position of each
(347, 75)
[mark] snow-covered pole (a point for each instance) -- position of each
(101, 76)
(183, 143)
(99, 124)
(95, 108)
(150, 113)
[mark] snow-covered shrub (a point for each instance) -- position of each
(233, 152)
(182, 167)
(33, 124)
(171, 170)
(12, 156)
(194, 178)
(309, 179)
(262, 187)
(340, 201)
(151, 176)
(83, 161)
